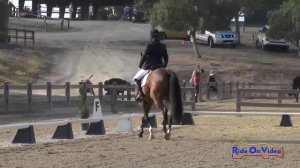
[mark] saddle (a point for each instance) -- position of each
(144, 79)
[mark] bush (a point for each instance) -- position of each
(84, 110)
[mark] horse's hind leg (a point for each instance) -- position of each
(159, 104)
(167, 119)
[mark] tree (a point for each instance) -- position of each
(194, 15)
(146, 5)
(236, 7)
(285, 22)
(3, 20)
(180, 15)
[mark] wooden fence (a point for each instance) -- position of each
(281, 93)
(228, 90)
(22, 34)
(47, 20)
(67, 93)
(124, 94)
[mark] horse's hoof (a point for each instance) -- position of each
(167, 137)
(151, 137)
(140, 135)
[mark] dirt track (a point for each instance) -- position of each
(111, 49)
(208, 144)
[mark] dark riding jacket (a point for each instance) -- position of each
(155, 56)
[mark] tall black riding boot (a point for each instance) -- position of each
(139, 95)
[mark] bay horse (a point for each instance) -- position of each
(162, 89)
(296, 86)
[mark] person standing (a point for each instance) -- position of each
(11, 9)
(71, 10)
(196, 81)
(126, 11)
(39, 12)
(212, 81)
(91, 11)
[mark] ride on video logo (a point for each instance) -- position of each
(242, 149)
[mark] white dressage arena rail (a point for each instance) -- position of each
(64, 127)
(89, 120)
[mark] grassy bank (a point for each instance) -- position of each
(19, 65)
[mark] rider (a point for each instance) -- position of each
(155, 56)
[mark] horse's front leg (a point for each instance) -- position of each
(296, 95)
(142, 127)
(146, 108)
(150, 128)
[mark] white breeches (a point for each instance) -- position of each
(140, 74)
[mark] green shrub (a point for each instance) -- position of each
(84, 110)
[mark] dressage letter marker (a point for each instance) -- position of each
(97, 111)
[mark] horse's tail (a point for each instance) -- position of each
(175, 97)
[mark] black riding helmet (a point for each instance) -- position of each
(155, 35)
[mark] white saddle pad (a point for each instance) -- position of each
(144, 80)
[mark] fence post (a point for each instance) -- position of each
(33, 37)
(223, 90)
(129, 92)
(237, 85)
(29, 95)
(61, 24)
(249, 87)
(252, 38)
(208, 91)
(67, 92)
(184, 91)
(238, 100)
(19, 14)
(100, 91)
(113, 97)
(279, 98)
(193, 92)
(6, 95)
(218, 93)
(45, 22)
(49, 94)
(68, 24)
(243, 86)
(230, 90)
(25, 37)
(17, 33)
(200, 92)
(299, 48)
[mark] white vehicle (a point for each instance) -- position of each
(263, 41)
(224, 37)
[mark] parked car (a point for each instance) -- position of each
(221, 37)
(172, 34)
(139, 16)
(263, 41)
